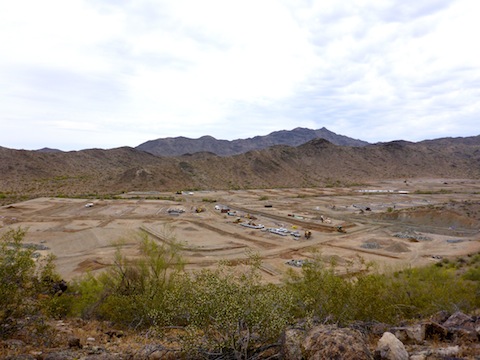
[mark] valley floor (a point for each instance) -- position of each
(391, 223)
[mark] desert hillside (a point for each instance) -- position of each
(316, 163)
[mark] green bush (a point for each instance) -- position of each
(17, 269)
(472, 274)
(424, 291)
(131, 287)
(234, 313)
(26, 287)
(320, 294)
(418, 292)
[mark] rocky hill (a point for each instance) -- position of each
(181, 145)
(316, 163)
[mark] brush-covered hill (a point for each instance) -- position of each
(316, 163)
(181, 145)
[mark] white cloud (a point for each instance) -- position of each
(127, 72)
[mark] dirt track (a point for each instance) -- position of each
(383, 224)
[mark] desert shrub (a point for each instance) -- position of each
(321, 294)
(53, 301)
(373, 298)
(472, 274)
(424, 291)
(131, 287)
(26, 286)
(417, 292)
(17, 269)
(220, 310)
(233, 313)
(90, 291)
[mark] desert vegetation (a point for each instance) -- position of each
(220, 312)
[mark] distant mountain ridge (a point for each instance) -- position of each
(181, 145)
(315, 163)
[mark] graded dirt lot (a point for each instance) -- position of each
(392, 223)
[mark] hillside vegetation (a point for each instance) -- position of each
(217, 312)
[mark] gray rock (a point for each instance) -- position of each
(60, 355)
(331, 342)
(459, 320)
(451, 351)
(390, 348)
(418, 357)
(20, 357)
(414, 334)
(464, 335)
(13, 344)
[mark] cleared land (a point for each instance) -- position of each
(392, 223)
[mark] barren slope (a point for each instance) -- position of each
(316, 163)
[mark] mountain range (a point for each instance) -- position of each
(181, 145)
(317, 162)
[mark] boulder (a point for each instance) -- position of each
(390, 348)
(459, 320)
(331, 342)
(461, 327)
(414, 334)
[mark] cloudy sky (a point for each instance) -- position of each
(107, 73)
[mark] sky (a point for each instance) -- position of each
(83, 74)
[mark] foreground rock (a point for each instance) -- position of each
(446, 336)
(390, 348)
(325, 342)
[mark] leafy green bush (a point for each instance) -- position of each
(234, 313)
(424, 291)
(472, 274)
(226, 311)
(129, 289)
(320, 294)
(26, 287)
(17, 269)
(417, 292)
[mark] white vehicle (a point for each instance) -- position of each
(88, 205)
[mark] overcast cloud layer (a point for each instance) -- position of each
(106, 73)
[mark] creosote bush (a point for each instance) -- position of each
(235, 312)
(27, 291)
(132, 287)
(407, 294)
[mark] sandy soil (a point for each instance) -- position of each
(391, 223)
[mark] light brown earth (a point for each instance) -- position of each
(443, 216)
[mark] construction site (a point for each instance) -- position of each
(392, 224)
